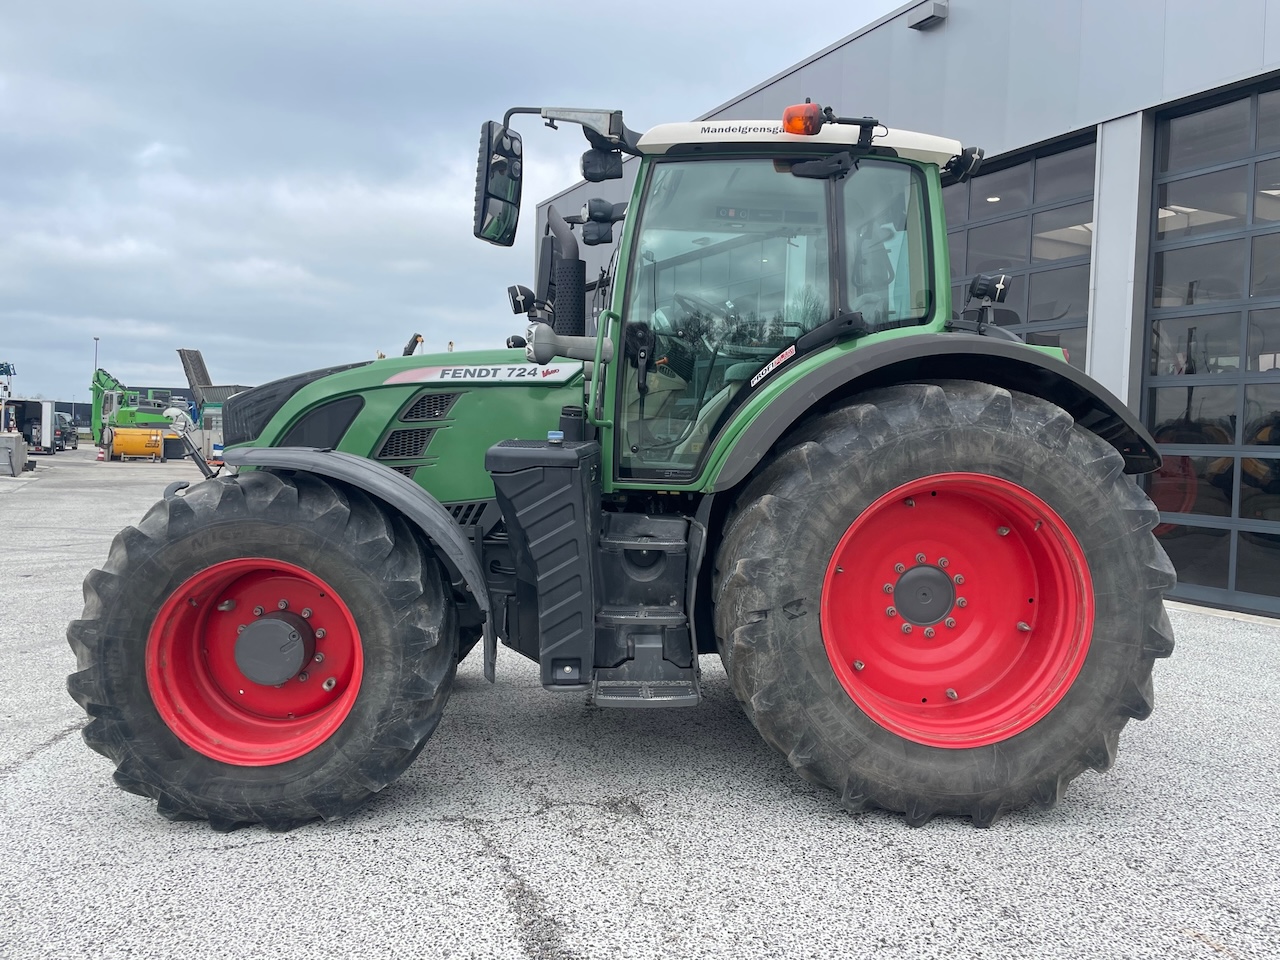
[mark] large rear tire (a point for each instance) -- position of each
(330, 602)
(943, 599)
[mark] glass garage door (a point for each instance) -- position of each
(1211, 392)
(1029, 216)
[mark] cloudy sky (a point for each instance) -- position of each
(288, 184)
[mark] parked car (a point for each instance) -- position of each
(65, 435)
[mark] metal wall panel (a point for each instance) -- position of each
(1271, 33)
(1042, 74)
(1206, 44)
(1121, 66)
(1122, 217)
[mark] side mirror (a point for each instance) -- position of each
(498, 175)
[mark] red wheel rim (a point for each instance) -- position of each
(210, 704)
(997, 596)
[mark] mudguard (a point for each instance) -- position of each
(952, 356)
(419, 507)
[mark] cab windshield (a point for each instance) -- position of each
(734, 260)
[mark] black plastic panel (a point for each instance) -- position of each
(325, 425)
(550, 499)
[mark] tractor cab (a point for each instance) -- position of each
(747, 247)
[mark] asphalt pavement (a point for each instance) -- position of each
(535, 826)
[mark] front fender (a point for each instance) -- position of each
(939, 356)
(401, 494)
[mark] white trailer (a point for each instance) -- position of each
(33, 419)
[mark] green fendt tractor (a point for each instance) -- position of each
(916, 545)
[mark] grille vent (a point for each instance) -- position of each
(430, 406)
(407, 471)
(405, 444)
(484, 514)
(468, 513)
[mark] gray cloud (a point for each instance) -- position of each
(288, 185)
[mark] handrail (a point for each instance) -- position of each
(595, 409)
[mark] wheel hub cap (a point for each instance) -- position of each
(924, 595)
(274, 649)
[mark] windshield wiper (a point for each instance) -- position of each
(840, 327)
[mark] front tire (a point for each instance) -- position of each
(943, 599)
(233, 571)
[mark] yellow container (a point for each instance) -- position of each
(135, 442)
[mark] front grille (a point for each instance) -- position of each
(430, 406)
(405, 444)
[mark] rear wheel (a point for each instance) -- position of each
(263, 650)
(943, 599)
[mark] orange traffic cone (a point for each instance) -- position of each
(102, 455)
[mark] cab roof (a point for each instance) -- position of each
(914, 146)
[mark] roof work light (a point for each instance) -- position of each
(802, 118)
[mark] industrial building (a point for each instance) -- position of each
(1132, 190)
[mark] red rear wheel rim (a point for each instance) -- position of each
(199, 689)
(997, 596)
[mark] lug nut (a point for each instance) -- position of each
(950, 622)
(330, 683)
(890, 612)
(318, 658)
(858, 664)
(919, 558)
(240, 629)
(928, 633)
(888, 588)
(282, 605)
(899, 568)
(958, 578)
(943, 561)
(258, 611)
(227, 605)
(1003, 531)
(951, 694)
(906, 628)
(1024, 627)
(962, 602)
(320, 634)
(839, 569)
(193, 601)
(910, 502)
(306, 613)
(302, 677)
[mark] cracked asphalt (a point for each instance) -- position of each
(534, 826)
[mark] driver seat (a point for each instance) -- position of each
(709, 415)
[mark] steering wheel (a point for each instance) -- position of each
(720, 329)
(693, 305)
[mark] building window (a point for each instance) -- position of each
(1032, 219)
(1211, 395)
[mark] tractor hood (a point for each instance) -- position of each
(430, 418)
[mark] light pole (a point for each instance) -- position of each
(95, 355)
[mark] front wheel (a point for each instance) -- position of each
(263, 650)
(943, 599)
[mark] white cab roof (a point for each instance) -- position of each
(914, 146)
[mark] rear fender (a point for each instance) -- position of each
(942, 356)
(453, 549)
